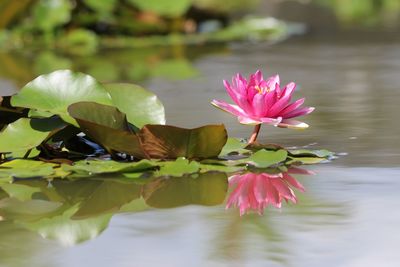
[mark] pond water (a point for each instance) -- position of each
(348, 216)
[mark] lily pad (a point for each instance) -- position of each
(178, 168)
(106, 125)
(21, 168)
(169, 142)
(140, 105)
(54, 92)
(234, 145)
(220, 168)
(305, 160)
(322, 153)
(25, 134)
(265, 158)
(109, 166)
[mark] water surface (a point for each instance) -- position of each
(349, 214)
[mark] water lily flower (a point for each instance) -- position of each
(260, 101)
(256, 191)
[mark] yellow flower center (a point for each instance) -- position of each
(260, 90)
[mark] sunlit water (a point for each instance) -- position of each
(349, 214)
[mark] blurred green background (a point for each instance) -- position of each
(133, 40)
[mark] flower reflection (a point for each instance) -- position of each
(255, 191)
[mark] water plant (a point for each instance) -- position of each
(68, 125)
(263, 101)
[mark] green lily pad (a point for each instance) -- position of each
(207, 189)
(234, 145)
(322, 153)
(140, 105)
(257, 146)
(21, 168)
(178, 168)
(220, 168)
(107, 126)
(265, 158)
(25, 134)
(169, 142)
(54, 92)
(305, 160)
(109, 166)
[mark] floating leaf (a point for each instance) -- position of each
(25, 134)
(305, 160)
(322, 153)
(109, 166)
(168, 142)
(257, 146)
(106, 125)
(234, 145)
(178, 168)
(23, 153)
(220, 168)
(265, 158)
(21, 168)
(140, 105)
(207, 189)
(54, 92)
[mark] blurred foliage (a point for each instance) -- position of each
(111, 65)
(365, 12)
(73, 25)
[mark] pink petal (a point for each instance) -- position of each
(270, 99)
(258, 76)
(231, 91)
(272, 121)
(248, 120)
(273, 81)
(233, 109)
(292, 106)
(241, 84)
(299, 112)
(283, 101)
(292, 124)
(259, 106)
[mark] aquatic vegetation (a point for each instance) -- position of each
(256, 191)
(67, 125)
(260, 101)
(65, 117)
(81, 28)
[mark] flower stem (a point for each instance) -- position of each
(254, 135)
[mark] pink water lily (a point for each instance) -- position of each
(256, 191)
(260, 101)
